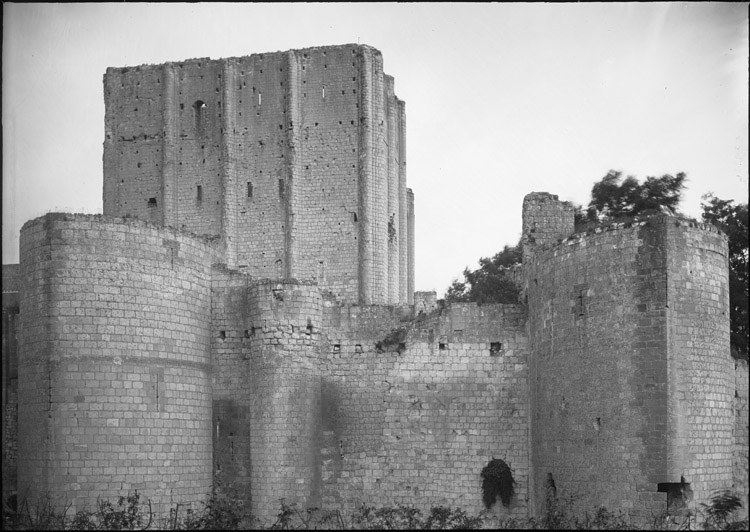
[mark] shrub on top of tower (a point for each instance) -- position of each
(613, 198)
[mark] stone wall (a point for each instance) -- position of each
(413, 411)
(251, 323)
(546, 221)
(230, 337)
(285, 400)
(700, 372)
(629, 328)
(741, 432)
(10, 379)
(294, 159)
(114, 381)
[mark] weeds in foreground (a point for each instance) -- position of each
(222, 512)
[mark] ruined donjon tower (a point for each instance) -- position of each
(243, 314)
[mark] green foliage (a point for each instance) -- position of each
(224, 513)
(400, 517)
(733, 220)
(409, 518)
(220, 512)
(718, 512)
(564, 514)
(612, 200)
(394, 341)
(128, 514)
(443, 518)
(490, 283)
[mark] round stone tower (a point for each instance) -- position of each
(631, 367)
(285, 319)
(114, 375)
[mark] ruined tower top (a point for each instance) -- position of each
(294, 161)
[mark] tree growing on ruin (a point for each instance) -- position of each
(490, 283)
(733, 220)
(614, 198)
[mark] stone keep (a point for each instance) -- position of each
(295, 161)
(243, 315)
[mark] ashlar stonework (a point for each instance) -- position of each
(244, 313)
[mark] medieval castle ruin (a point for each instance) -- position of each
(244, 313)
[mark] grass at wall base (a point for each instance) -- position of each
(131, 512)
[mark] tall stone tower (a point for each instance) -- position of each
(294, 160)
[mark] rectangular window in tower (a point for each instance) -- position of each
(249, 189)
(199, 194)
(281, 188)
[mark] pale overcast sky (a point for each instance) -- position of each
(501, 100)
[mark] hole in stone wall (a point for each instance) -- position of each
(309, 330)
(495, 349)
(336, 348)
(247, 333)
(678, 493)
(199, 194)
(249, 189)
(358, 348)
(152, 202)
(443, 346)
(497, 482)
(222, 335)
(281, 188)
(354, 214)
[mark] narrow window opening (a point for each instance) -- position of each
(321, 270)
(199, 116)
(581, 303)
(354, 214)
(324, 89)
(309, 330)
(222, 335)
(199, 194)
(247, 333)
(337, 348)
(152, 202)
(260, 98)
(281, 188)
(443, 346)
(358, 348)
(495, 349)
(249, 189)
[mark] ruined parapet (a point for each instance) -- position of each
(546, 220)
(284, 328)
(619, 387)
(425, 302)
(114, 370)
